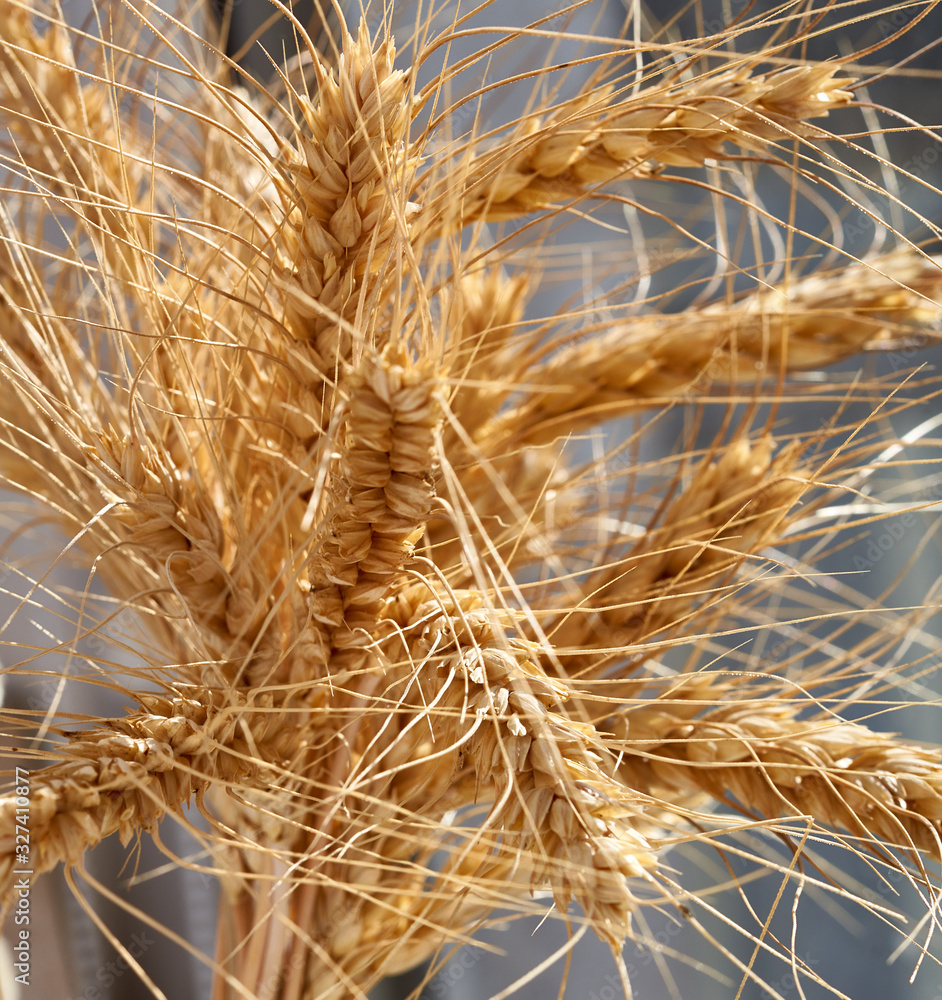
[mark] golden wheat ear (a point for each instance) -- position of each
(606, 135)
(441, 618)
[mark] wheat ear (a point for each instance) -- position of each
(599, 137)
(554, 796)
(340, 186)
(732, 508)
(309, 435)
(810, 322)
(772, 756)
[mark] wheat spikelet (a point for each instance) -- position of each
(410, 609)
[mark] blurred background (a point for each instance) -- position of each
(833, 941)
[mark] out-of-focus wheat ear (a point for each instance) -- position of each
(732, 507)
(49, 384)
(601, 137)
(239, 197)
(344, 184)
(67, 440)
(385, 940)
(66, 138)
(484, 312)
(483, 319)
(173, 532)
(383, 904)
(773, 757)
(808, 323)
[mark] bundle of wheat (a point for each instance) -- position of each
(277, 370)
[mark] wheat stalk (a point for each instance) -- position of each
(277, 365)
